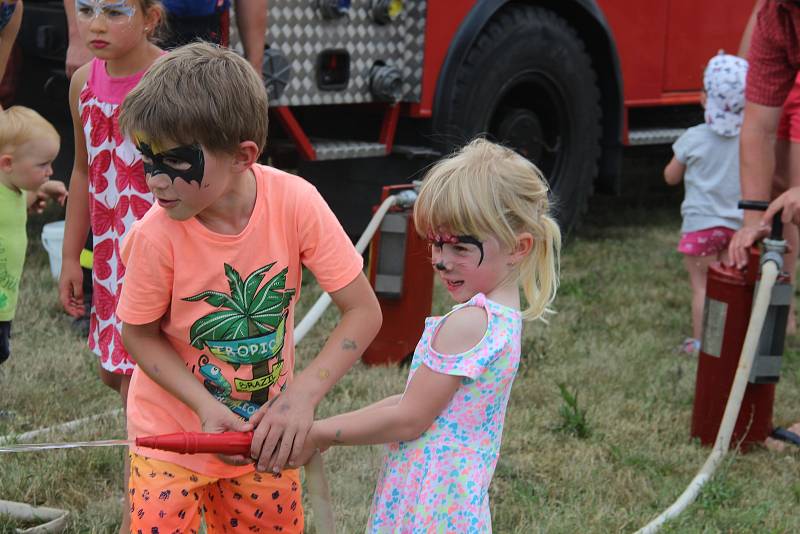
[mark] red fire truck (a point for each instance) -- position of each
(366, 92)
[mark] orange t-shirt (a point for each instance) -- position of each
(226, 302)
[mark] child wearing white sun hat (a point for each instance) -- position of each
(707, 161)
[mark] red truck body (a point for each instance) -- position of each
(568, 83)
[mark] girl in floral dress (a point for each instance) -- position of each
(485, 211)
(107, 190)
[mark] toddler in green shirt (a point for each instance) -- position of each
(28, 146)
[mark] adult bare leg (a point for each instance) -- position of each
(787, 174)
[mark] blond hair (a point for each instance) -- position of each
(19, 124)
(199, 93)
(485, 190)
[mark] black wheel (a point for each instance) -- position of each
(528, 82)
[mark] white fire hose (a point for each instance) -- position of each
(56, 520)
(318, 492)
(769, 274)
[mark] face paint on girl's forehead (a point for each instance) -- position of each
(165, 162)
(446, 238)
(113, 11)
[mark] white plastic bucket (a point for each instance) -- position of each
(52, 239)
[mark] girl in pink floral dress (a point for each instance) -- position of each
(486, 214)
(107, 190)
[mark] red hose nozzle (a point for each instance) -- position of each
(230, 443)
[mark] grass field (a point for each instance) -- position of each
(608, 462)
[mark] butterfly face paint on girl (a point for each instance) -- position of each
(454, 248)
(117, 12)
(185, 162)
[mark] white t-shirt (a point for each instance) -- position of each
(711, 179)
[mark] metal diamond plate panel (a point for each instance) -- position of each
(297, 28)
(347, 149)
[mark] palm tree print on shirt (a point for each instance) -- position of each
(247, 328)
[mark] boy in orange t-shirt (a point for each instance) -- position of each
(212, 275)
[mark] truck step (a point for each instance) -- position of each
(413, 151)
(654, 136)
(327, 149)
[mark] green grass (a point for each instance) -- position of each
(622, 309)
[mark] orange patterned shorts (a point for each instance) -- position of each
(167, 499)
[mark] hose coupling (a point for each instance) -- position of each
(405, 199)
(774, 249)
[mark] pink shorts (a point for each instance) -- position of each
(708, 242)
(789, 125)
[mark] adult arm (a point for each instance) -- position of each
(251, 20)
(77, 53)
(282, 425)
(7, 37)
(70, 285)
(744, 44)
(756, 168)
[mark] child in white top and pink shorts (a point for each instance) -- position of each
(707, 161)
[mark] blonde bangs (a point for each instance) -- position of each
(457, 195)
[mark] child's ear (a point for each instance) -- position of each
(524, 245)
(152, 19)
(245, 155)
(6, 161)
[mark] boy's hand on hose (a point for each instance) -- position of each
(216, 418)
(281, 427)
(70, 288)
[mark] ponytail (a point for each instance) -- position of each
(539, 270)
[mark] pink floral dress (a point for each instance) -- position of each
(440, 481)
(118, 196)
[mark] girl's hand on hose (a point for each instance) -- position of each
(315, 443)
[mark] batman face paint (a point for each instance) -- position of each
(185, 162)
(455, 245)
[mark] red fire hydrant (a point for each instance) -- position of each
(400, 272)
(729, 299)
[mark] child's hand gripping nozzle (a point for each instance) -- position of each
(233, 443)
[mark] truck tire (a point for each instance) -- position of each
(528, 82)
